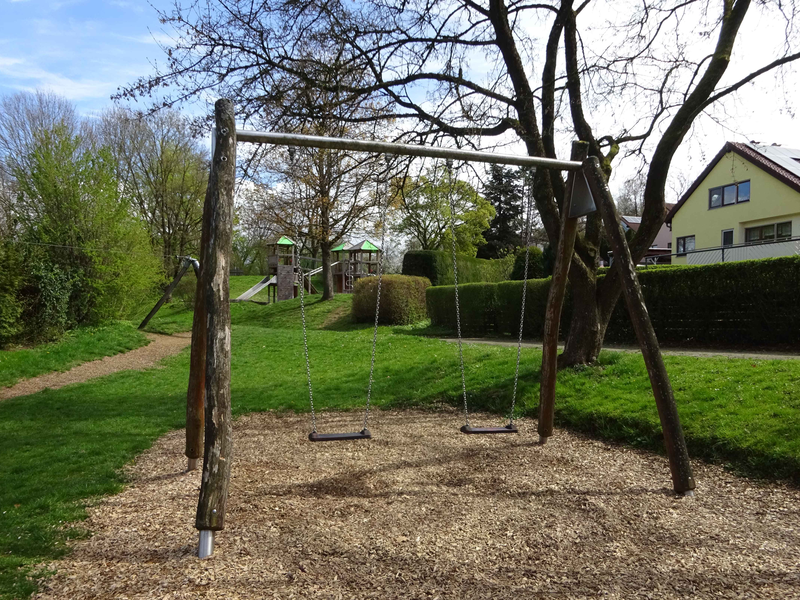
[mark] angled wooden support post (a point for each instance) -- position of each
(555, 302)
(196, 391)
(185, 262)
(682, 478)
(216, 269)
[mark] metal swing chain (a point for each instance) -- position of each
(378, 299)
(529, 215)
(449, 164)
(305, 341)
(301, 282)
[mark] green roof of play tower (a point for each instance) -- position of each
(365, 245)
(285, 241)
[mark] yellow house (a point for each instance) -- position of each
(744, 205)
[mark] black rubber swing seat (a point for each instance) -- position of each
(364, 434)
(510, 428)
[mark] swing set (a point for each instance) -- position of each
(209, 396)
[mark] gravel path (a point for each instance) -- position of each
(422, 511)
(160, 347)
(635, 349)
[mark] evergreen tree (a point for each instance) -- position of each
(504, 191)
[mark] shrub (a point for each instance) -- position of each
(748, 302)
(494, 308)
(10, 283)
(185, 291)
(402, 299)
(535, 265)
(46, 297)
(478, 304)
(70, 204)
(437, 266)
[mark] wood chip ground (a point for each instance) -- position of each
(422, 511)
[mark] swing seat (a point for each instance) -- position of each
(510, 428)
(364, 434)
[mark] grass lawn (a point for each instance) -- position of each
(59, 448)
(76, 347)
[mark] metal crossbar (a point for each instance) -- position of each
(313, 141)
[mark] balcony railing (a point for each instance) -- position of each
(751, 251)
(733, 253)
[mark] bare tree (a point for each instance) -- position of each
(325, 196)
(164, 171)
(630, 197)
(655, 66)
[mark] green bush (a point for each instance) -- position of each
(535, 265)
(437, 266)
(185, 291)
(47, 294)
(402, 299)
(748, 302)
(10, 283)
(494, 308)
(70, 205)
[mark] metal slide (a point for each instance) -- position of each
(256, 288)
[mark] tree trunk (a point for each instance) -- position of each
(327, 272)
(216, 266)
(586, 331)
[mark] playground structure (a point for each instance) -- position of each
(352, 263)
(286, 268)
(284, 275)
(209, 393)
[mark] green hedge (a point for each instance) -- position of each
(437, 266)
(749, 302)
(402, 299)
(536, 266)
(493, 308)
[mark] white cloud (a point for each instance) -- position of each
(154, 38)
(134, 6)
(23, 75)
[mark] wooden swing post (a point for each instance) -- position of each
(195, 394)
(681, 469)
(216, 297)
(555, 302)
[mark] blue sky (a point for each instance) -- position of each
(81, 49)
(85, 49)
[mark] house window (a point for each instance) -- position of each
(768, 233)
(727, 237)
(685, 244)
(743, 194)
(727, 195)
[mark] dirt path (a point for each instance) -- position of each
(160, 346)
(635, 349)
(422, 511)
